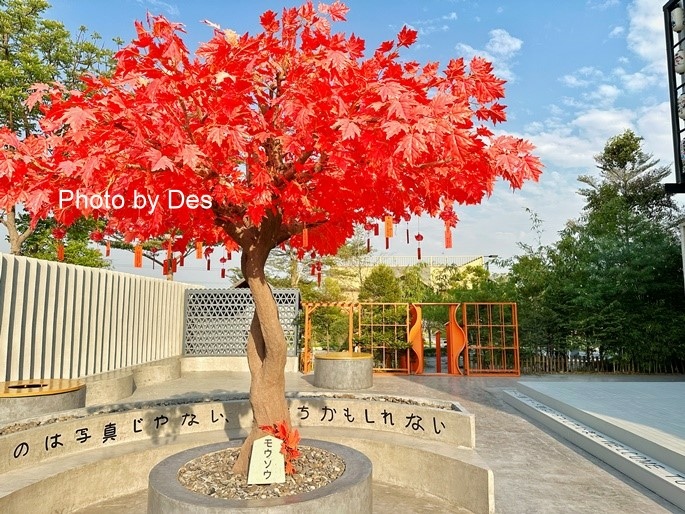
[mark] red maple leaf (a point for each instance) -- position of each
(348, 128)
(406, 37)
(76, 117)
(268, 21)
(337, 10)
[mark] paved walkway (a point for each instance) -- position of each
(534, 470)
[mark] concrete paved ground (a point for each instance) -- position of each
(653, 410)
(534, 470)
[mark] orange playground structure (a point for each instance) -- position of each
(476, 339)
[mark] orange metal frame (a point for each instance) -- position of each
(486, 339)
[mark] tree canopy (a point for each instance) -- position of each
(272, 129)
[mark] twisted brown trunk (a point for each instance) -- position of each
(266, 351)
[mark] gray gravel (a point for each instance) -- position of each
(211, 475)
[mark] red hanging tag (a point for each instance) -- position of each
(375, 229)
(108, 249)
(60, 251)
(418, 253)
(138, 256)
(387, 243)
(228, 256)
(182, 259)
(407, 236)
(368, 245)
(313, 271)
(318, 279)
(165, 268)
(173, 265)
(305, 238)
(223, 272)
(448, 237)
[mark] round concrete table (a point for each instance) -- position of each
(343, 370)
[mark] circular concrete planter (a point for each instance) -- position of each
(351, 493)
(343, 370)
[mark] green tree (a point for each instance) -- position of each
(329, 324)
(413, 284)
(615, 276)
(619, 276)
(627, 171)
(37, 50)
(42, 245)
(381, 285)
(530, 283)
(350, 262)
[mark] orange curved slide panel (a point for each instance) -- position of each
(456, 341)
(415, 337)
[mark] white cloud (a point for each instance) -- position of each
(601, 124)
(646, 32)
(582, 77)
(171, 9)
(654, 126)
(503, 44)
(637, 81)
(604, 96)
(617, 32)
(499, 50)
(432, 25)
(601, 4)
(573, 81)
(558, 150)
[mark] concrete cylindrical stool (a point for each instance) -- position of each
(22, 399)
(343, 370)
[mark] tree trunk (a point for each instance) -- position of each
(15, 238)
(266, 354)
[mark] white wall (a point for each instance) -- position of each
(64, 321)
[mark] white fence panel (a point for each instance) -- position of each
(63, 321)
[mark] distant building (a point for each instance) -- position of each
(351, 273)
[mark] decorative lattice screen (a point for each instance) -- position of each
(217, 320)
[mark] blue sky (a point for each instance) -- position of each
(578, 72)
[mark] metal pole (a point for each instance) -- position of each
(682, 247)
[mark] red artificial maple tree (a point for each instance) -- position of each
(289, 135)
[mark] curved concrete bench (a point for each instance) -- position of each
(423, 445)
(109, 387)
(343, 370)
(156, 372)
(20, 399)
(112, 386)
